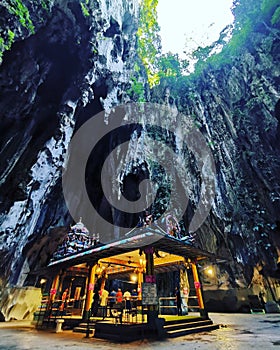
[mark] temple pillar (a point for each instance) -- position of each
(61, 279)
(152, 312)
(139, 283)
(54, 288)
(103, 279)
(198, 289)
(89, 293)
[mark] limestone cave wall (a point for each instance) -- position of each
(236, 108)
(69, 61)
(73, 59)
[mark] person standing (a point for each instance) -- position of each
(119, 296)
(127, 300)
(112, 298)
(134, 297)
(118, 308)
(95, 302)
(103, 302)
(178, 301)
(64, 299)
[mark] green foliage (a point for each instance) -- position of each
(2, 48)
(170, 65)
(249, 15)
(11, 36)
(16, 7)
(269, 5)
(84, 7)
(276, 16)
(45, 4)
(202, 53)
(239, 39)
(157, 65)
(6, 46)
(137, 88)
(149, 45)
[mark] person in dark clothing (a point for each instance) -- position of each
(112, 299)
(95, 302)
(261, 298)
(178, 301)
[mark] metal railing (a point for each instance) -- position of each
(162, 303)
(172, 304)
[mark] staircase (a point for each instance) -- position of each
(131, 332)
(178, 328)
(85, 327)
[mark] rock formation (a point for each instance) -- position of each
(72, 61)
(65, 61)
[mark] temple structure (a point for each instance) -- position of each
(149, 263)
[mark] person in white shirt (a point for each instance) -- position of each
(127, 299)
(103, 302)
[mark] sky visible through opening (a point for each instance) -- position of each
(191, 23)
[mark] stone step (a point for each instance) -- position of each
(117, 337)
(85, 324)
(185, 325)
(186, 331)
(184, 320)
(83, 330)
(85, 327)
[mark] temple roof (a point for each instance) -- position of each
(138, 239)
(80, 227)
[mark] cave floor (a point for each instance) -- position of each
(237, 331)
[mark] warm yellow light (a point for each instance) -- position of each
(210, 271)
(133, 278)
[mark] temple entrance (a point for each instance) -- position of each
(173, 281)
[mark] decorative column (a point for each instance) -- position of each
(62, 276)
(89, 294)
(149, 253)
(70, 287)
(103, 279)
(140, 277)
(53, 292)
(150, 278)
(54, 288)
(139, 282)
(198, 289)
